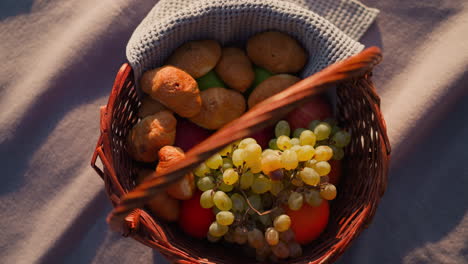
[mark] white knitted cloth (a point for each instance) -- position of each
(328, 29)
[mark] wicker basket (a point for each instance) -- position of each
(362, 185)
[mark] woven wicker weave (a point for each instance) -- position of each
(361, 187)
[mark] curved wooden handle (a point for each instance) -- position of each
(259, 117)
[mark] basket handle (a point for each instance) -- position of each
(259, 117)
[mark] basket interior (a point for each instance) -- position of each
(358, 192)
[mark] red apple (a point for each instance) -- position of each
(318, 107)
(188, 134)
(194, 219)
(309, 221)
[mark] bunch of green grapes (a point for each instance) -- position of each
(247, 187)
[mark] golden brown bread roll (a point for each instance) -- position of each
(149, 106)
(276, 52)
(162, 205)
(174, 88)
(196, 57)
(271, 86)
(165, 207)
(184, 188)
(151, 134)
(235, 69)
(220, 106)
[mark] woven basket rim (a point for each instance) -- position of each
(137, 220)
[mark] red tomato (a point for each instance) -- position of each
(309, 222)
(317, 107)
(188, 134)
(263, 136)
(194, 219)
(335, 173)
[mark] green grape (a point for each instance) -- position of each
(230, 176)
(261, 184)
(281, 250)
(295, 201)
(282, 222)
(313, 124)
(276, 187)
(238, 157)
(305, 153)
(261, 74)
(255, 166)
(206, 183)
(226, 150)
(295, 142)
(328, 192)
(322, 168)
(309, 176)
(222, 201)
(279, 210)
(225, 218)
(246, 180)
(202, 170)
(272, 144)
(287, 236)
(238, 203)
(252, 153)
(338, 153)
(342, 138)
(298, 131)
(229, 236)
(296, 148)
(245, 142)
(265, 219)
(331, 121)
(322, 131)
(217, 230)
(323, 153)
(255, 238)
(270, 163)
(297, 182)
(214, 162)
(240, 235)
(307, 138)
(206, 199)
(295, 250)
(282, 129)
(335, 129)
(271, 236)
(255, 201)
(227, 163)
(313, 198)
(283, 142)
(212, 239)
(267, 152)
(209, 80)
(289, 160)
(225, 188)
(310, 163)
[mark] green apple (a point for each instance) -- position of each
(210, 80)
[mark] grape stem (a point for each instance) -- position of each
(253, 208)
